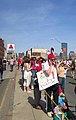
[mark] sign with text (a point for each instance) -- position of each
(46, 81)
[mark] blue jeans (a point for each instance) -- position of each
(33, 76)
(62, 83)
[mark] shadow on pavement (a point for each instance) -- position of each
(72, 83)
(32, 102)
(20, 83)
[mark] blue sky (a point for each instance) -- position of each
(38, 23)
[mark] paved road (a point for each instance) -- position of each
(70, 94)
(7, 94)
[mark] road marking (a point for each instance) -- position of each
(3, 99)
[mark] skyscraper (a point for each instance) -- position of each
(64, 49)
(2, 48)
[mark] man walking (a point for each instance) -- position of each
(1, 70)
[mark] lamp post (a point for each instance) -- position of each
(56, 40)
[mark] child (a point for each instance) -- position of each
(61, 111)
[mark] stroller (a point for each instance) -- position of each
(62, 112)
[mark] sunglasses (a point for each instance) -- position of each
(52, 59)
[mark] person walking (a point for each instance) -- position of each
(19, 62)
(1, 70)
(73, 68)
(11, 64)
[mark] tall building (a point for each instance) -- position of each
(2, 48)
(21, 54)
(64, 49)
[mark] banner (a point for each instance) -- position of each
(46, 81)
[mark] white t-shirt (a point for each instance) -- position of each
(11, 61)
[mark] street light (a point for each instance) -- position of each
(56, 40)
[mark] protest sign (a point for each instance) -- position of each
(46, 81)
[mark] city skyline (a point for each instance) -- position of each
(38, 24)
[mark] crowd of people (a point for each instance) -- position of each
(3, 66)
(56, 71)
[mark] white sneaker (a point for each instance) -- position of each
(49, 114)
(32, 87)
(29, 91)
(24, 90)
